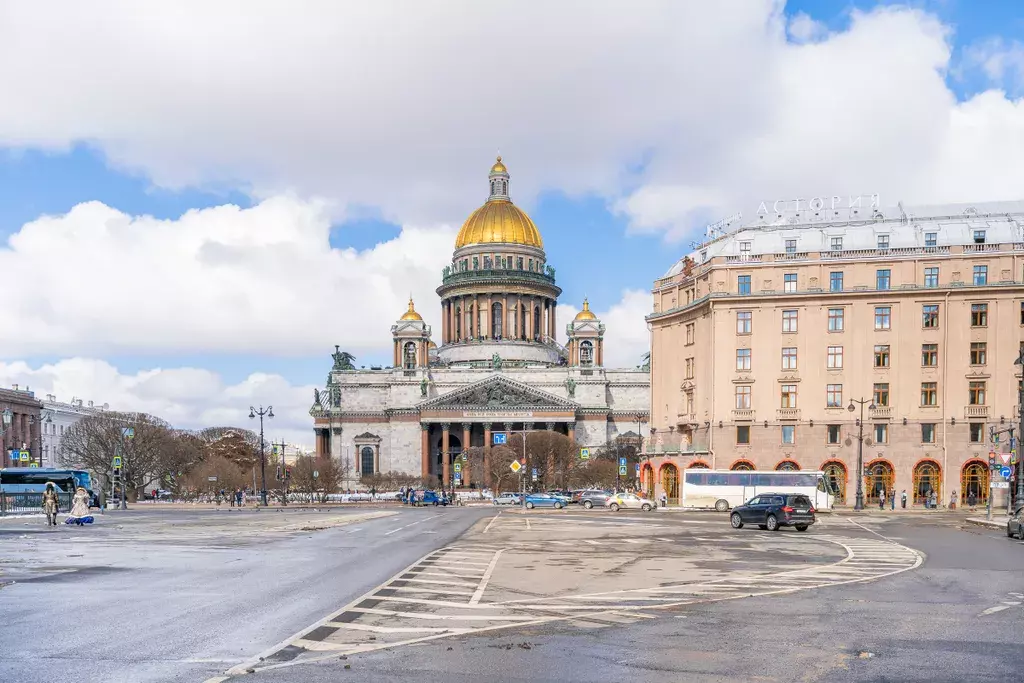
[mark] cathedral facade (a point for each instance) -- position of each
(498, 368)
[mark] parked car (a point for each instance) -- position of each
(630, 501)
(543, 500)
(1015, 525)
(773, 511)
(594, 498)
(430, 498)
(508, 499)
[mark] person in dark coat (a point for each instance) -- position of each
(51, 504)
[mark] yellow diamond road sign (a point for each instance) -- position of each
(516, 466)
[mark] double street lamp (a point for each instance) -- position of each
(859, 504)
(269, 412)
(1020, 430)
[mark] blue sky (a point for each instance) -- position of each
(572, 132)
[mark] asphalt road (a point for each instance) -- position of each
(184, 595)
(957, 617)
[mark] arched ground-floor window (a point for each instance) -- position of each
(837, 477)
(927, 478)
(647, 479)
(974, 479)
(878, 479)
(742, 466)
(787, 466)
(670, 482)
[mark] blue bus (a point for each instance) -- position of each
(33, 480)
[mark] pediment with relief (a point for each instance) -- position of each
(497, 392)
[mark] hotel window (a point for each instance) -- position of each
(689, 333)
(883, 278)
(790, 246)
(835, 358)
(931, 239)
(930, 315)
(835, 281)
(689, 368)
(1022, 312)
(789, 320)
(742, 359)
(929, 393)
(835, 320)
(979, 237)
(977, 432)
(979, 353)
(881, 433)
(976, 394)
(881, 394)
(834, 395)
(929, 355)
(744, 249)
(881, 355)
(789, 358)
(743, 435)
(833, 434)
(931, 277)
(743, 398)
(788, 434)
(837, 244)
(743, 284)
(743, 320)
(789, 282)
(928, 432)
(788, 396)
(979, 315)
(883, 241)
(883, 317)
(980, 275)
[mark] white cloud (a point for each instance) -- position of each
(1001, 61)
(188, 398)
(803, 29)
(258, 280)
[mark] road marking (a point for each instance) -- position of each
(461, 584)
(528, 527)
(993, 610)
(493, 520)
(486, 577)
(424, 589)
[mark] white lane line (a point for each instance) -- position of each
(424, 589)
(456, 562)
(448, 575)
(460, 584)
(528, 527)
(993, 610)
(487, 577)
(393, 531)
(493, 520)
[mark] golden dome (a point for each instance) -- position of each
(499, 221)
(585, 314)
(411, 314)
(498, 166)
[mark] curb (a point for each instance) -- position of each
(995, 524)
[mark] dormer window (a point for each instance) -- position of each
(979, 237)
(883, 241)
(790, 246)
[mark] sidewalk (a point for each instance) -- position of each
(997, 521)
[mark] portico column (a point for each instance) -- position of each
(529, 319)
(465, 447)
(487, 454)
(425, 452)
(446, 465)
(504, 317)
(554, 318)
(550, 426)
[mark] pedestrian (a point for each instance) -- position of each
(972, 500)
(952, 500)
(892, 499)
(79, 509)
(881, 499)
(935, 500)
(51, 504)
(664, 500)
(903, 499)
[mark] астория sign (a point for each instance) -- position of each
(818, 203)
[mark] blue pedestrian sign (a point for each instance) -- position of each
(534, 474)
(622, 462)
(1006, 471)
(500, 438)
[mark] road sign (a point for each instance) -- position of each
(622, 462)
(128, 432)
(638, 468)
(117, 461)
(500, 438)
(622, 470)
(1000, 485)
(1005, 457)
(23, 456)
(584, 454)
(534, 474)
(458, 467)
(458, 478)
(211, 478)
(1013, 456)
(1006, 471)
(464, 457)
(316, 474)
(33, 464)
(515, 466)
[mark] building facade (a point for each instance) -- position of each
(498, 368)
(58, 417)
(20, 425)
(773, 346)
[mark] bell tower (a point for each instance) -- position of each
(586, 339)
(412, 340)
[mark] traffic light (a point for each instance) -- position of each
(278, 475)
(991, 462)
(288, 472)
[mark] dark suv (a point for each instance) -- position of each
(594, 498)
(774, 510)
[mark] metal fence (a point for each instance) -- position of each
(23, 503)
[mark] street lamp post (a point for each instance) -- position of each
(1020, 430)
(269, 412)
(859, 504)
(5, 422)
(45, 418)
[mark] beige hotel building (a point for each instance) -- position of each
(764, 335)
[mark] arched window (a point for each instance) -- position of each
(926, 480)
(647, 480)
(496, 321)
(974, 478)
(366, 460)
(586, 353)
(742, 466)
(787, 466)
(698, 465)
(522, 321)
(878, 478)
(536, 322)
(836, 476)
(410, 355)
(670, 482)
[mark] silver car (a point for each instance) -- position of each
(630, 501)
(508, 499)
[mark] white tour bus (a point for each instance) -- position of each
(725, 489)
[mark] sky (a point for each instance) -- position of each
(199, 200)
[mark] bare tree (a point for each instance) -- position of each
(317, 477)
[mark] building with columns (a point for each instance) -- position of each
(498, 368)
(23, 430)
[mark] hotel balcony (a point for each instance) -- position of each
(975, 411)
(788, 413)
(881, 412)
(741, 414)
